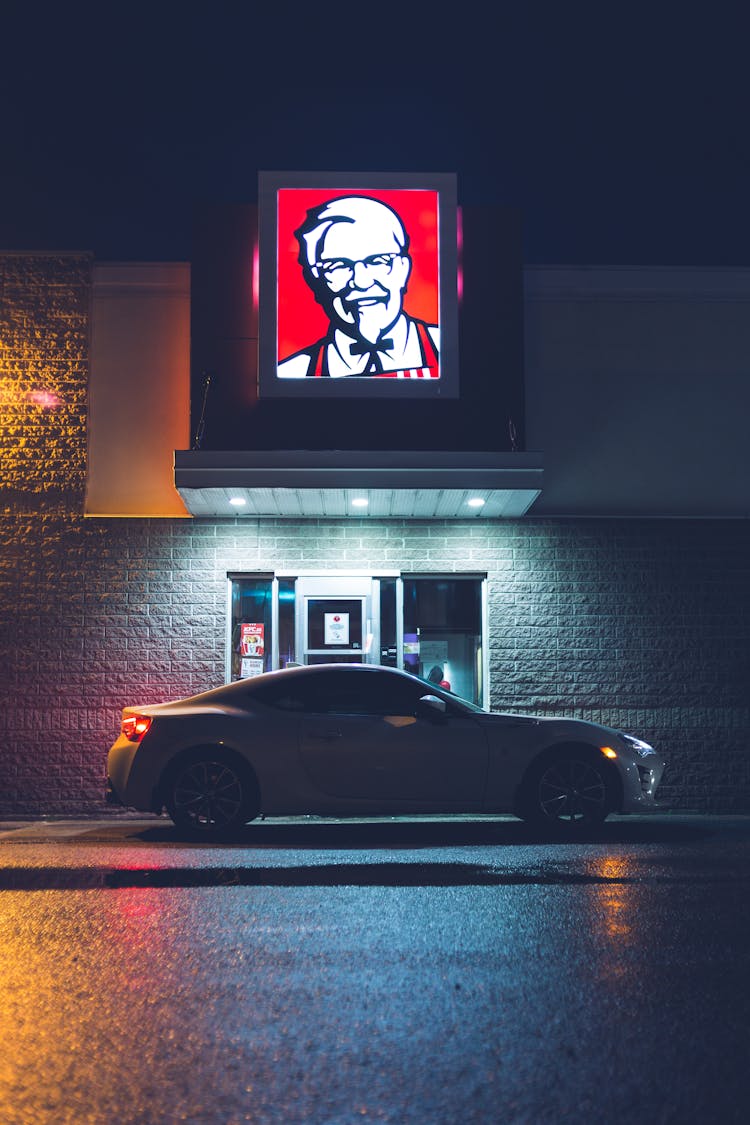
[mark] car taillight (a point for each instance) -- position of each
(135, 726)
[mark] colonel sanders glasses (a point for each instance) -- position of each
(340, 271)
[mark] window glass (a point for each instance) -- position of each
(342, 693)
(442, 629)
(443, 633)
(251, 627)
(284, 696)
(334, 623)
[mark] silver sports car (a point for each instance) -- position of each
(353, 740)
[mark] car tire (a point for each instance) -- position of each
(571, 790)
(209, 793)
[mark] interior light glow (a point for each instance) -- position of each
(360, 502)
(476, 502)
(608, 752)
(238, 501)
(256, 277)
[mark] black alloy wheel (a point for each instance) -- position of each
(571, 790)
(211, 795)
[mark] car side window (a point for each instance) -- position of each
(344, 693)
(369, 694)
(282, 697)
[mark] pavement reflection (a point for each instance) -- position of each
(400, 972)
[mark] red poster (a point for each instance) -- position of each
(252, 639)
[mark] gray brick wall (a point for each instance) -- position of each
(644, 625)
(639, 624)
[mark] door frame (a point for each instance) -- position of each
(326, 587)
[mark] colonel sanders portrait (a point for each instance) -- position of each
(354, 254)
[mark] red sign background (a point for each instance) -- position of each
(300, 319)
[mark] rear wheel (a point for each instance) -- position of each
(210, 793)
(569, 790)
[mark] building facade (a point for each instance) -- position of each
(621, 596)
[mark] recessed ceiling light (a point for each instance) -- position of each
(476, 502)
(237, 501)
(360, 502)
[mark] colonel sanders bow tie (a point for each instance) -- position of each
(368, 349)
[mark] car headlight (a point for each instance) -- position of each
(641, 748)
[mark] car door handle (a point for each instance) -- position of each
(326, 736)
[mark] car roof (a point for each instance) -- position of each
(303, 670)
(306, 671)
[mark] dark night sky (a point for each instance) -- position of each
(620, 131)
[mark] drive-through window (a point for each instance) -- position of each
(431, 625)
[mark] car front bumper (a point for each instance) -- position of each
(641, 777)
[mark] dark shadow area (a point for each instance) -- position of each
(320, 875)
(390, 834)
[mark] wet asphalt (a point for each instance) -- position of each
(318, 971)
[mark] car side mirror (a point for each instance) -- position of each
(432, 707)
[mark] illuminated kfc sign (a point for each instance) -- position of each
(358, 286)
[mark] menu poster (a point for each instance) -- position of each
(252, 639)
(251, 666)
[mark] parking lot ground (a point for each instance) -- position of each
(418, 971)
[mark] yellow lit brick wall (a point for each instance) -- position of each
(44, 334)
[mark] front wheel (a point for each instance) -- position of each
(210, 794)
(569, 790)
